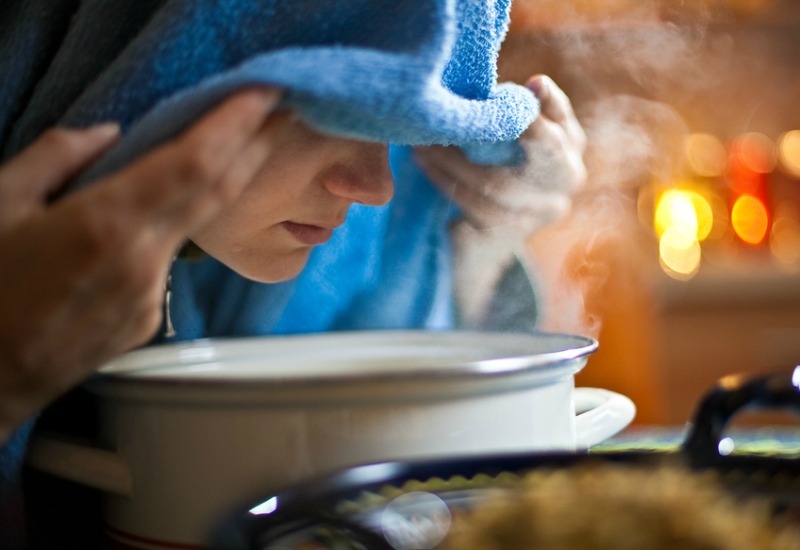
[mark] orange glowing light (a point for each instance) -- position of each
(749, 7)
(720, 228)
(750, 219)
(789, 152)
(705, 154)
(756, 152)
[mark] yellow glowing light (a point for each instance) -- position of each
(706, 155)
(750, 219)
(703, 213)
(686, 211)
(680, 253)
(675, 211)
(756, 152)
(784, 240)
(789, 152)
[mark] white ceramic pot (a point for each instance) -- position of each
(192, 430)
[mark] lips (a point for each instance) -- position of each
(309, 235)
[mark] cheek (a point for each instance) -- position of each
(247, 236)
(251, 222)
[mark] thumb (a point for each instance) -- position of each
(47, 164)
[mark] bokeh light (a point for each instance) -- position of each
(685, 211)
(675, 211)
(750, 219)
(704, 215)
(706, 155)
(749, 7)
(784, 236)
(679, 253)
(720, 228)
(682, 219)
(752, 157)
(789, 152)
(756, 152)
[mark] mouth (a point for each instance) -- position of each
(309, 235)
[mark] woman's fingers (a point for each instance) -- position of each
(557, 107)
(555, 142)
(46, 165)
(192, 167)
(524, 197)
(172, 190)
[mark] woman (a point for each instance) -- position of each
(272, 190)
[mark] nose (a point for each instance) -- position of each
(364, 177)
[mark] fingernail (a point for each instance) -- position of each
(538, 85)
(106, 129)
(269, 97)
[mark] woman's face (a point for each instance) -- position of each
(299, 197)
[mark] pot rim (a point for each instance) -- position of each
(489, 362)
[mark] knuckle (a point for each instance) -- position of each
(196, 165)
(140, 291)
(144, 272)
(101, 231)
(226, 190)
(577, 134)
(150, 313)
(581, 174)
(139, 281)
(149, 322)
(61, 139)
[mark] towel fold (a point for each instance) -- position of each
(413, 73)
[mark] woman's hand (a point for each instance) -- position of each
(503, 205)
(83, 279)
(522, 198)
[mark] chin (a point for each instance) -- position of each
(275, 271)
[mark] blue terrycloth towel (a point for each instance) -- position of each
(408, 72)
(418, 72)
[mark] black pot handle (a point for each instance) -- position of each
(731, 395)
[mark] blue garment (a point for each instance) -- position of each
(10, 461)
(12, 514)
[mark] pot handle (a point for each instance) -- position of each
(80, 462)
(599, 415)
(731, 395)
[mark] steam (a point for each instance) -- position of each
(623, 64)
(631, 141)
